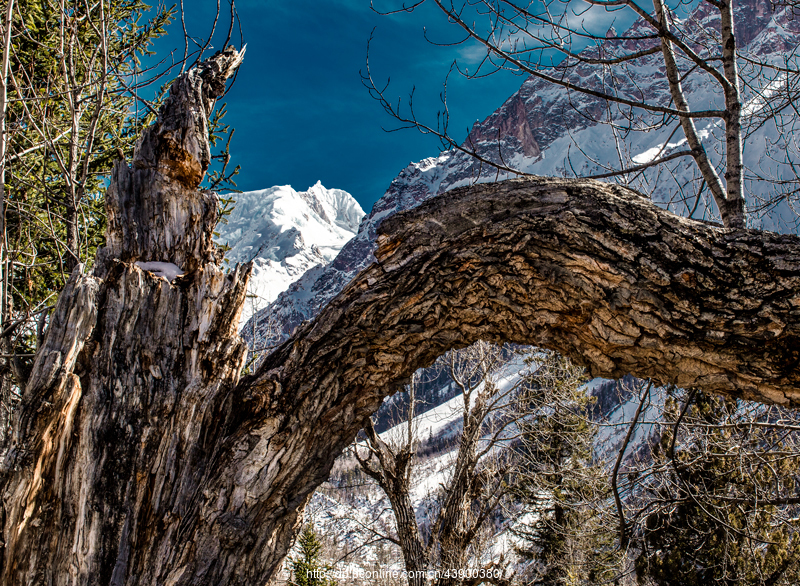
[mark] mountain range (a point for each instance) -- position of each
(547, 130)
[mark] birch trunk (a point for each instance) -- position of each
(734, 167)
(729, 198)
(139, 457)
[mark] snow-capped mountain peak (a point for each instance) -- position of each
(335, 205)
(285, 233)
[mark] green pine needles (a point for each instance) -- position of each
(307, 569)
(723, 506)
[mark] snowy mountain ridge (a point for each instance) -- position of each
(547, 130)
(285, 233)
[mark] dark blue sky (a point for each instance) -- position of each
(298, 106)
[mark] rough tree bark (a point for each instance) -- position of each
(116, 424)
(141, 458)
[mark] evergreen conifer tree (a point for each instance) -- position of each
(307, 569)
(724, 510)
(564, 491)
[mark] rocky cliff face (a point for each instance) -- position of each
(546, 130)
(285, 233)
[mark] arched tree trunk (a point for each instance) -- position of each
(141, 458)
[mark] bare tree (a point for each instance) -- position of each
(474, 486)
(603, 73)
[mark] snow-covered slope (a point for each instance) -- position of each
(285, 233)
(541, 127)
(349, 511)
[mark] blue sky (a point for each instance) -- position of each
(298, 106)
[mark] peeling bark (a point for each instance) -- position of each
(139, 457)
